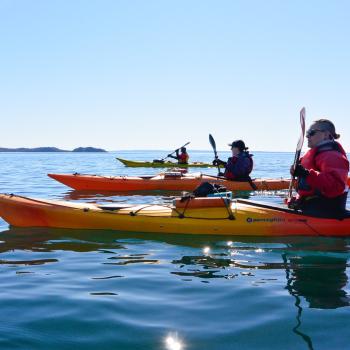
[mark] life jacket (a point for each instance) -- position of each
(239, 167)
(183, 158)
(308, 161)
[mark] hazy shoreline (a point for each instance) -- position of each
(51, 149)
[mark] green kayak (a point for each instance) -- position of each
(158, 164)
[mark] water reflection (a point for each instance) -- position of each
(313, 269)
(126, 260)
(320, 279)
(27, 262)
(172, 342)
(47, 240)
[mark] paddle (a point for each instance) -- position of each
(162, 160)
(298, 149)
(213, 145)
(216, 177)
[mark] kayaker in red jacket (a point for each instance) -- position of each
(322, 173)
(182, 158)
(240, 165)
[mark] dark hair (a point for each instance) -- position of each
(327, 125)
(239, 144)
(183, 149)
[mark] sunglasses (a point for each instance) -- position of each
(313, 132)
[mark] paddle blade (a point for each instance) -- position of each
(302, 125)
(212, 142)
(298, 149)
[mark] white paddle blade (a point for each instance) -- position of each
(302, 124)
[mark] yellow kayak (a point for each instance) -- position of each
(155, 164)
(214, 216)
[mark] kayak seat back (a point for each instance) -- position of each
(201, 202)
(172, 175)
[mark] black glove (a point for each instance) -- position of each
(169, 155)
(300, 171)
(217, 162)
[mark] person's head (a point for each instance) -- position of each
(320, 130)
(183, 149)
(237, 147)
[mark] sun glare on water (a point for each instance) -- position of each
(206, 250)
(172, 343)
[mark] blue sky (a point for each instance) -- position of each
(156, 74)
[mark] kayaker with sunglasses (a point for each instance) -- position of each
(322, 173)
(240, 165)
(182, 158)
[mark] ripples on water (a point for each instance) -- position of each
(113, 290)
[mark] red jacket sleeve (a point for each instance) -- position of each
(332, 178)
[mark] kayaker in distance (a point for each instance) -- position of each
(182, 158)
(240, 165)
(322, 173)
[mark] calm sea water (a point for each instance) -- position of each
(76, 289)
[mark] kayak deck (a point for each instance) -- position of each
(161, 182)
(168, 164)
(248, 218)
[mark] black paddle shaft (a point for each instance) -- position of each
(175, 150)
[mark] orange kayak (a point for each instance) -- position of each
(161, 182)
(214, 216)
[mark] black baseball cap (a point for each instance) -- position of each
(239, 144)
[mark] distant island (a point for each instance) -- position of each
(51, 149)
